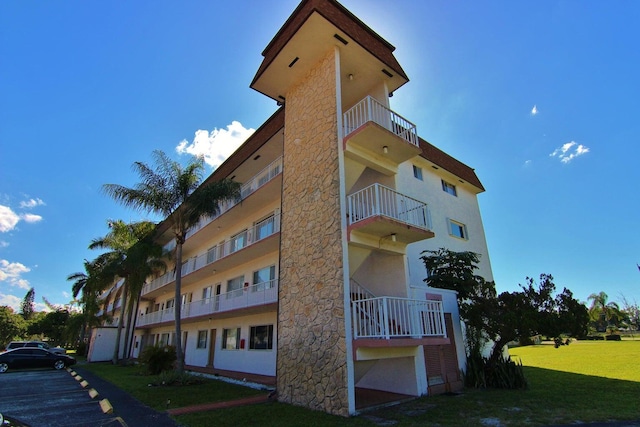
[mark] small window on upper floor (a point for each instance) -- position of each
(417, 172)
(457, 229)
(449, 188)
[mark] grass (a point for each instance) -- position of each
(130, 379)
(587, 381)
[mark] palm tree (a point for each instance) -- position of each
(175, 193)
(89, 285)
(601, 311)
(133, 257)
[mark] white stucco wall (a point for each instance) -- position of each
(462, 208)
(103, 344)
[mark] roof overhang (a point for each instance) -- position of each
(315, 28)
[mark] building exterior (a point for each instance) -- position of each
(314, 280)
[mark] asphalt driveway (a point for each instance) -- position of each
(53, 398)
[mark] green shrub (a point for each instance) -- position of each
(81, 349)
(505, 373)
(156, 359)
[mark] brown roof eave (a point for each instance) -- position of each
(450, 164)
(244, 152)
(343, 19)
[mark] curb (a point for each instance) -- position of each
(219, 405)
(105, 405)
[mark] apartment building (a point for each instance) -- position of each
(313, 281)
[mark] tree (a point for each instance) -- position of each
(603, 313)
(175, 193)
(133, 257)
(89, 285)
(12, 326)
(53, 326)
(27, 307)
(631, 311)
(489, 317)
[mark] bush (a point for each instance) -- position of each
(81, 349)
(505, 373)
(156, 358)
(614, 337)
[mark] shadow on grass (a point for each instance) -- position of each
(553, 397)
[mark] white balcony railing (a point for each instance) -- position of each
(378, 200)
(258, 294)
(390, 317)
(371, 110)
(249, 187)
(248, 237)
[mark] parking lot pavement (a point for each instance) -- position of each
(131, 410)
(50, 398)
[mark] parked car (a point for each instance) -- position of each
(33, 357)
(36, 344)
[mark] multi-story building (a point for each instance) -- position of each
(313, 281)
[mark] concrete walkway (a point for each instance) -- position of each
(219, 405)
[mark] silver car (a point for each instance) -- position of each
(35, 344)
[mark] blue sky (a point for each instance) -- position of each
(541, 98)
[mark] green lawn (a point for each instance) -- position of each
(586, 381)
(130, 379)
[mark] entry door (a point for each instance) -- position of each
(212, 347)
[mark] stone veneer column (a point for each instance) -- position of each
(312, 359)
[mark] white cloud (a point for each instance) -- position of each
(11, 301)
(31, 203)
(8, 219)
(30, 218)
(569, 151)
(534, 110)
(527, 163)
(3, 244)
(11, 272)
(216, 145)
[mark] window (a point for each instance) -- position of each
(417, 172)
(212, 254)
(264, 228)
(458, 229)
(170, 304)
(449, 188)
(263, 278)
(238, 241)
(231, 339)
(206, 295)
(261, 337)
(186, 298)
(234, 287)
(202, 339)
(164, 340)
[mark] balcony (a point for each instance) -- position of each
(391, 317)
(238, 249)
(381, 212)
(260, 180)
(378, 137)
(258, 295)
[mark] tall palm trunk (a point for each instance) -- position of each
(178, 307)
(125, 353)
(133, 329)
(116, 351)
